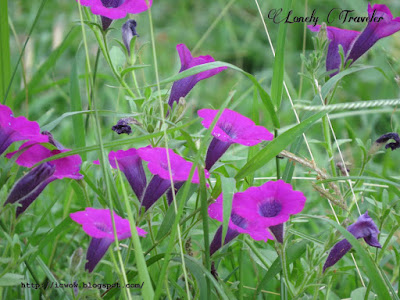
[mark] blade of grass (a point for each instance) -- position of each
(276, 146)
(42, 4)
(5, 64)
(76, 105)
(228, 188)
(279, 62)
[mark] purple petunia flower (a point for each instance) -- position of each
(130, 164)
(364, 228)
(29, 187)
(183, 86)
(355, 43)
(17, 129)
(231, 128)
(389, 136)
(115, 9)
(270, 205)
(158, 166)
(237, 225)
(97, 223)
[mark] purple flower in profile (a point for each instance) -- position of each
(115, 9)
(97, 223)
(130, 164)
(122, 126)
(17, 129)
(128, 32)
(364, 228)
(389, 136)
(183, 86)
(354, 43)
(237, 225)
(231, 128)
(158, 166)
(29, 187)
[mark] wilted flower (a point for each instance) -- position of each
(183, 86)
(364, 228)
(17, 129)
(158, 166)
(231, 128)
(122, 126)
(29, 187)
(237, 225)
(115, 9)
(389, 136)
(128, 32)
(356, 43)
(130, 164)
(97, 223)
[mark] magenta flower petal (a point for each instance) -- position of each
(364, 228)
(29, 187)
(374, 30)
(116, 9)
(237, 224)
(97, 223)
(17, 129)
(270, 204)
(337, 37)
(158, 164)
(231, 128)
(66, 167)
(183, 86)
(131, 165)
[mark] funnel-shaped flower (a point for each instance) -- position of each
(183, 86)
(115, 9)
(130, 164)
(231, 128)
(29, 187)
(364, 228)
(337, 36)
(97, 223)
(237, 224)
(269, 204)
(17, 129)
(158, 166)
(381, 24)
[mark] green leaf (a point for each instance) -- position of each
(76, 105)
(277, 145)
(228, 189)
(5, 65)
(279, 62)
(132, 68)
(10, 279)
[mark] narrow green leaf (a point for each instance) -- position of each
(132, 68)
(279, 62)
(228, 189)
(276, 146)
(10, 279)
(76, 105)
(5, 67)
